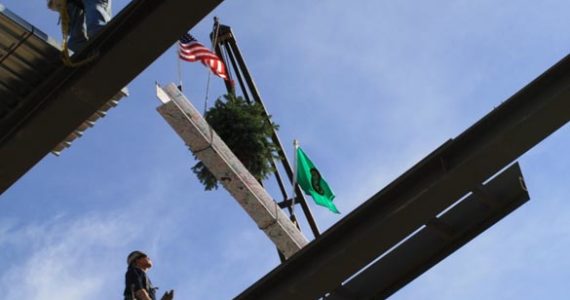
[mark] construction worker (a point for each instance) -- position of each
(86, 18)
(137, 284)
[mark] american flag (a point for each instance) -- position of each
(191, 50)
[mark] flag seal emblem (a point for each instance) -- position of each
(316, 181)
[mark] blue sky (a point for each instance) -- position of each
(368, 88)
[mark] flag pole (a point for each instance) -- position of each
(179, 66)
(294, 181)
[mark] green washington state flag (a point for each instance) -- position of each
(312, 183)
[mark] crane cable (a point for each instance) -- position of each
(214, 43)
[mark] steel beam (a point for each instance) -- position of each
(229, 41)
(124, 48)
(210, 149)
(424, 191)
(440, 237)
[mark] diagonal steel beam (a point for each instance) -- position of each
(438, 239)
(209, 148)
(424, 191)
(129, 44)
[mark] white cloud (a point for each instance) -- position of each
(371, 89)
(64, 258)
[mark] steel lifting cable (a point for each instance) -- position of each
(213, 49)
(179, 67)
(214, 42)
(211, 130)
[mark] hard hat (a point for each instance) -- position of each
(133, 256)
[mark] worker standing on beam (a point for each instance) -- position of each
(86, 19)
(137, 284)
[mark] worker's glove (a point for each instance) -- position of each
(168, 295)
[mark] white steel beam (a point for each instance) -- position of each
(189, 124)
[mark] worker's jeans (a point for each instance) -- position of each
(86, 20)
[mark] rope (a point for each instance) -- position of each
(275, 218)
(66, 58)
(205, 148)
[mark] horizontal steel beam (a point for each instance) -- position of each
(124, 48)
(424, 191)
(441, 237)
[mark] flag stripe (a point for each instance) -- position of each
(191, 50)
